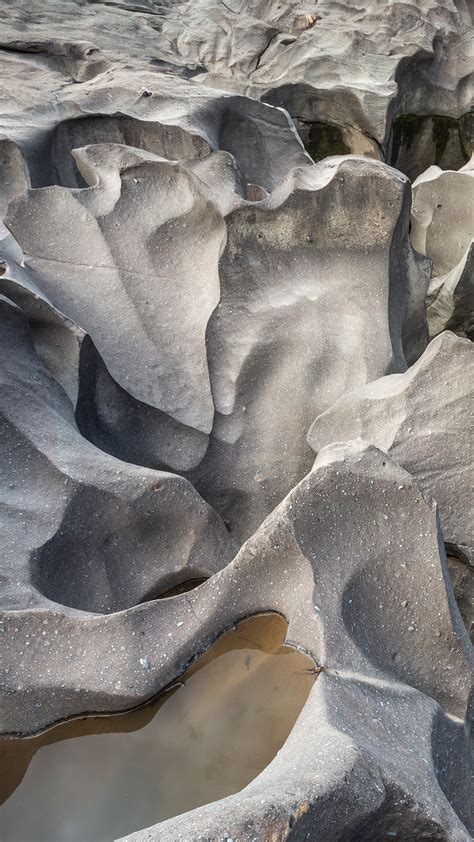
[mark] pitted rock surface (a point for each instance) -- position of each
(236, 300)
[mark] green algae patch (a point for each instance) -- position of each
(405, 129)
(325, 139)
(466, 133)
(419, 141)
(442, 127)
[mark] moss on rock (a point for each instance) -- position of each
(441, 129)
(325, 139)
(418, 141)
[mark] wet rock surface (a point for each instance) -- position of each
(236, 380)
(96, 778)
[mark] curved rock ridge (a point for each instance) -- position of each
(296, 248)
(424, 420)
(105, 413)
(450, 299)
(274, 341)
(373, 653)
(85, 529)
(98, 254)
(442, 228)
(236, 299)
(351, 66)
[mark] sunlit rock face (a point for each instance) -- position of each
(236, 382)
(443, 229)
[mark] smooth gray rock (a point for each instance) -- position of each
(138, 245)
(354, 67)
(183, 291)
(84, 529)
(424, 420)
(462, 578)
(450, 299)
(276, 359)
(396, 678)
(272, 341)
(106, 414)
(442, 228)
(443, 217)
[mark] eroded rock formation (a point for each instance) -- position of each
(236, 299)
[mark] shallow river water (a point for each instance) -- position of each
(99, 778)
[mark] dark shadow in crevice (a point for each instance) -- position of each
(119, 424)
(184, 71)
(182, 587)
(461, 573)
(416, 142)
(322, 140)
(51, 162)
(450, 750)
(399, 817)
(328, 122)
(111, 553)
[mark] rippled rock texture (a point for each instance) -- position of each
(236, 379)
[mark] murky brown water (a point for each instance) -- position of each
(99, 778)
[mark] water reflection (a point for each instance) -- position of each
(100, 778)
